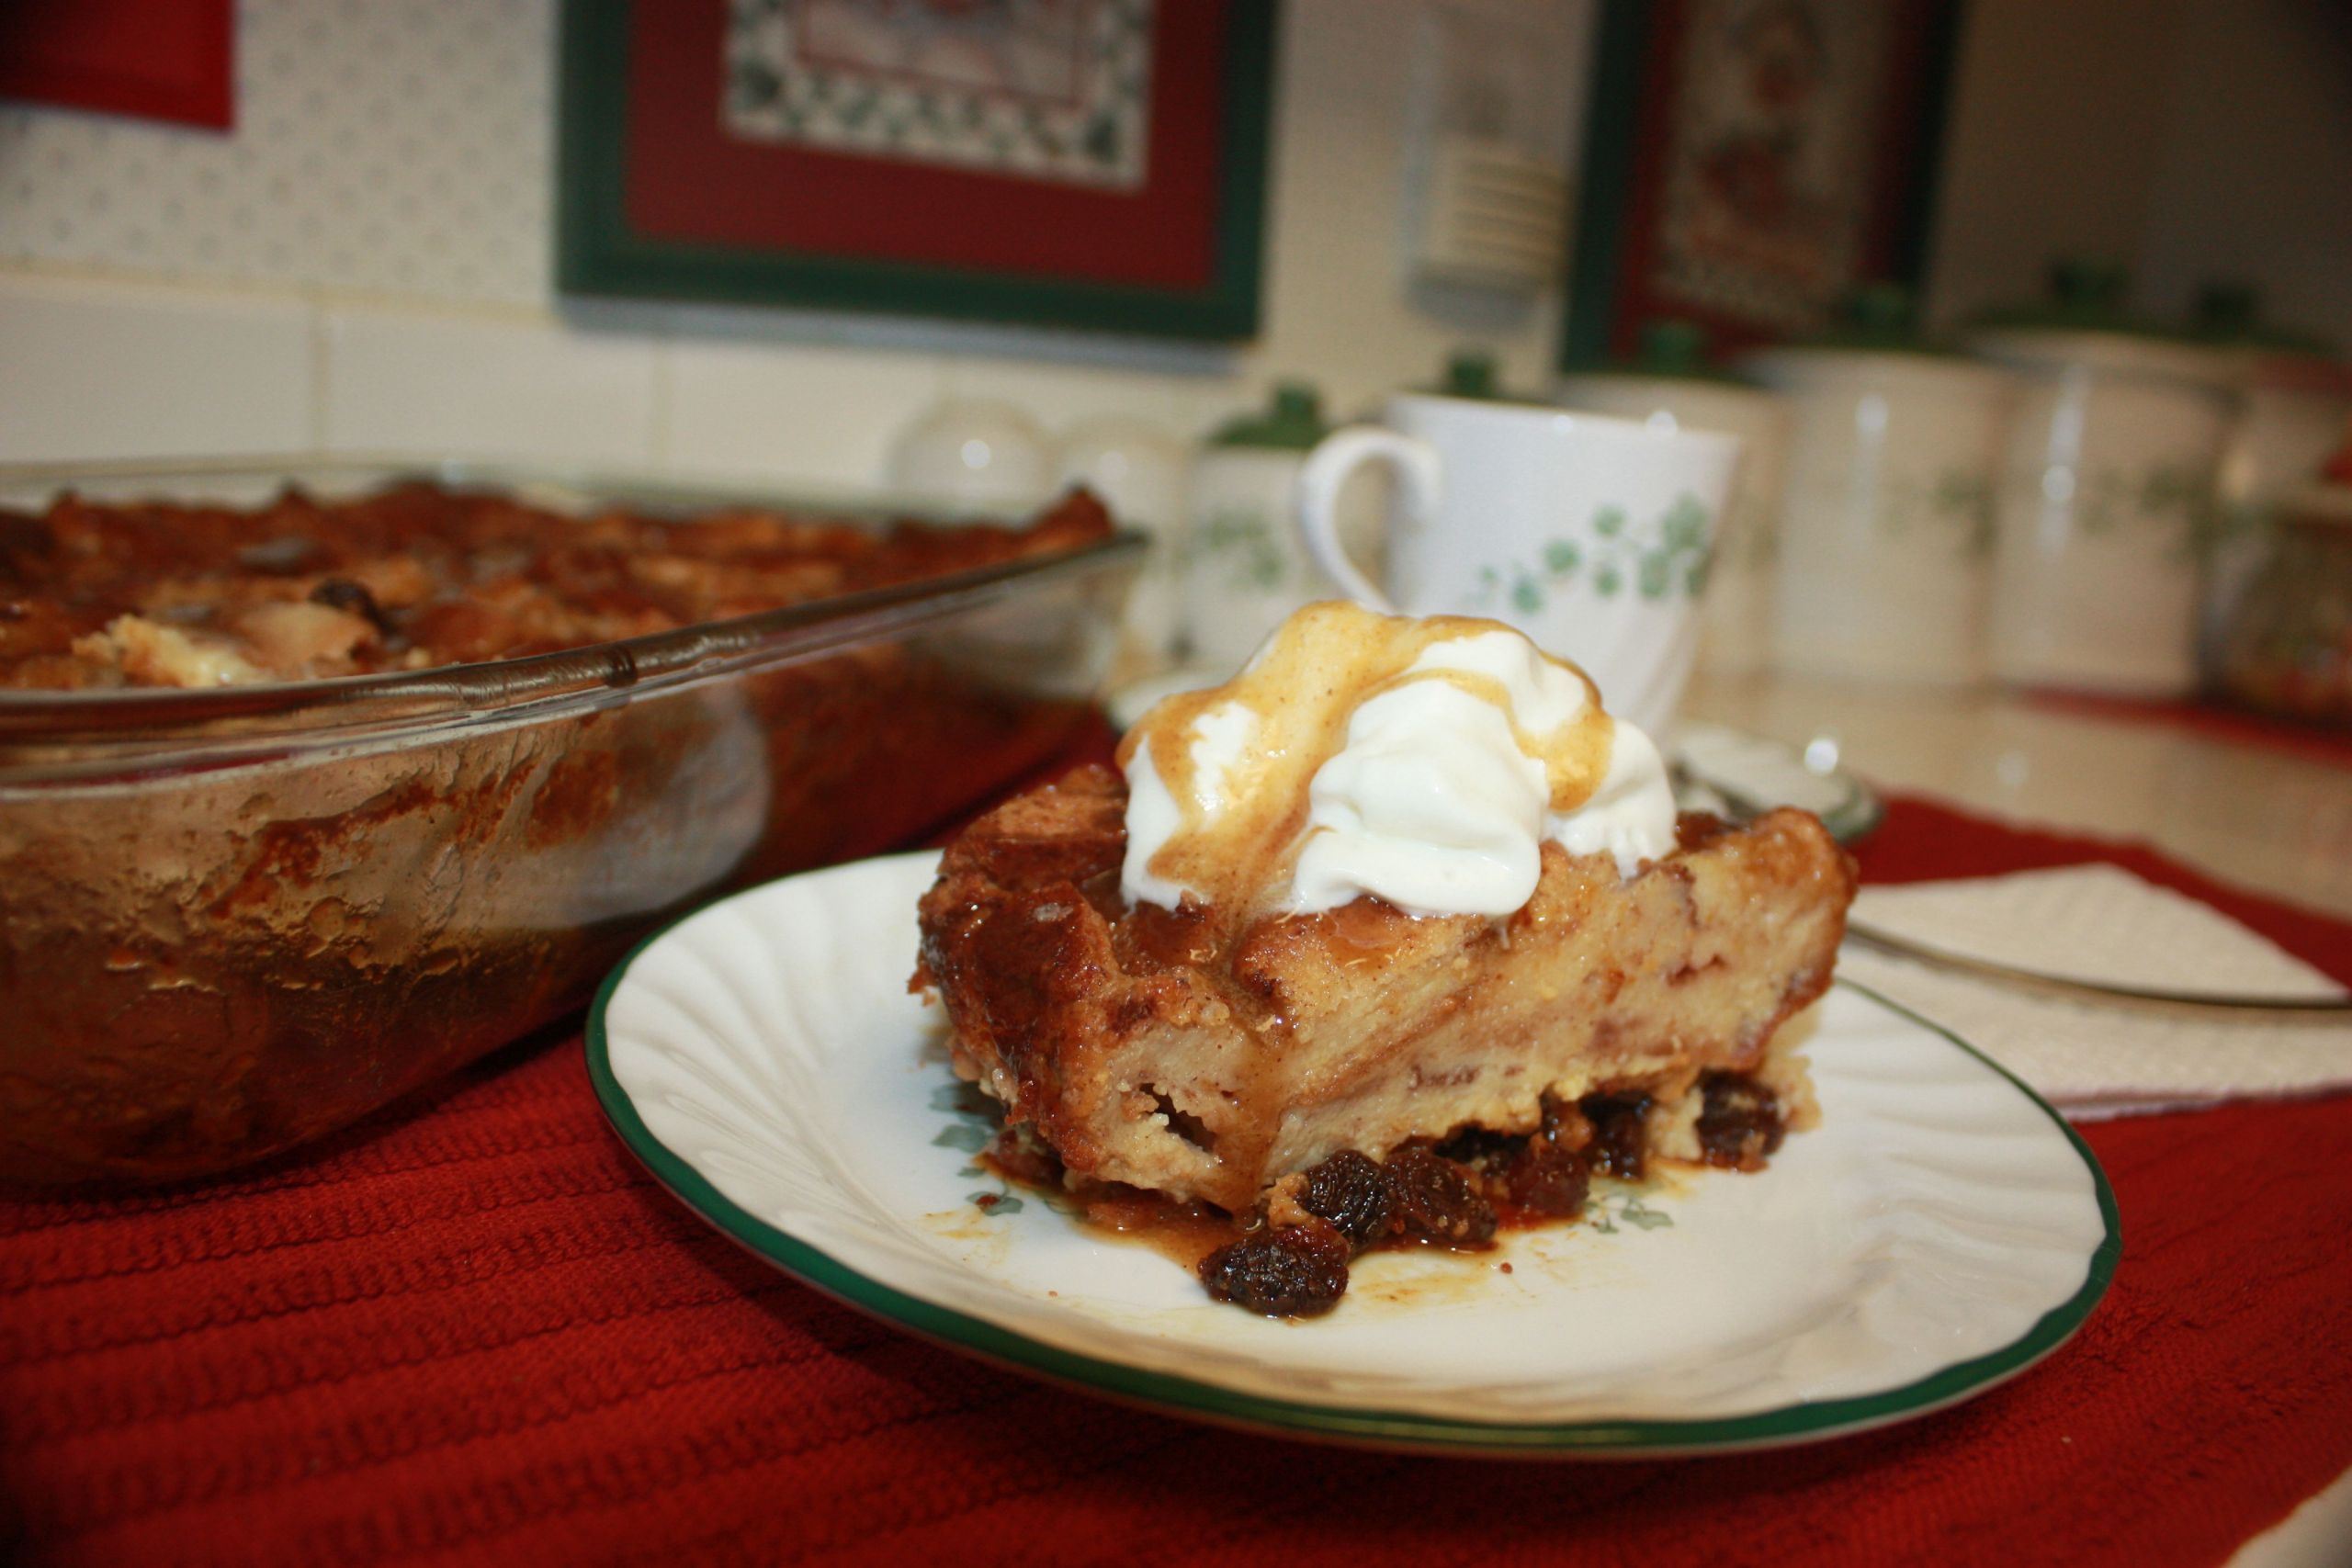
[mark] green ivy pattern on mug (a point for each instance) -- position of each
(1666, 560)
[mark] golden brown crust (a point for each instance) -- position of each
(1165, 1051)
(94, 595)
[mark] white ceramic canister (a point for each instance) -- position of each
(1244, 568)
(1668, 386)
(972, 454)
(1885, 521)
(2105, 495)
(1139, 470)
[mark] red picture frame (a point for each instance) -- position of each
(660, 197)
(167, 59)
(1633, 256)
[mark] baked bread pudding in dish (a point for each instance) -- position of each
(96, 596)
(99, 595)
(1393, 937)
(306, 803)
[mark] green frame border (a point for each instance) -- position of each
(598, 252)
(1176, 1395)
(1612, 114)
(1613, 118)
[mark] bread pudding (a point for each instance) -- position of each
(240, 917)
(95, 595)
(1395, 934)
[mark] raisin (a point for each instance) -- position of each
(1739, 1121)
(1617, 1133)
(1548, 1178)
(1349, 1191)
(1286, 1271)
(353, 598)
(1482, 1151)
(1697, 830)
(1433, 1199)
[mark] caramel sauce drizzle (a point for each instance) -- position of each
(1240, 831)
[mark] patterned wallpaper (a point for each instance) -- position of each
(395, 147)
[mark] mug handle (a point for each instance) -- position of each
(1336, 457)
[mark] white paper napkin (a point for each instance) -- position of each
(2100, 922)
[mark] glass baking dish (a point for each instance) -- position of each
(234, 920)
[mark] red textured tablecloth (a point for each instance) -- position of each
(472, 1331)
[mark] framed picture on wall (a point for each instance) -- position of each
(167, 59)
(1096, 163)
(1747, 162)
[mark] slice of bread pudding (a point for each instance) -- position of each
(1394, 933)
(1206, 1056)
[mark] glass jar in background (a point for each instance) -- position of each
(1139, 470)
(1885, 526)
(2287, 648)
(1669, 380)
(2294, 401)
(2104, 496)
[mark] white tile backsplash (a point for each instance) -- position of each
(99, 370)
(1061, 395)
(818, 415)
(95, 369)
(418, 383)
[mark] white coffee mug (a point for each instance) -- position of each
(1592, 535)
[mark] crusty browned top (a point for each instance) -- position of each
(420, 576)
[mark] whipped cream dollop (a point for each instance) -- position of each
(1421, 761)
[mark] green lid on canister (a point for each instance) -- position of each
(1291, 421)
(1473, 373)
(2228, 315)
(2088, 284)
(2086, 295)
(1470, 373)
(1878, 317)
(1669, 348)
(2227, 307)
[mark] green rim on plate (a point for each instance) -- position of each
(1378, 1429)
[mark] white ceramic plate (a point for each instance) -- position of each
(1939, 1232)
